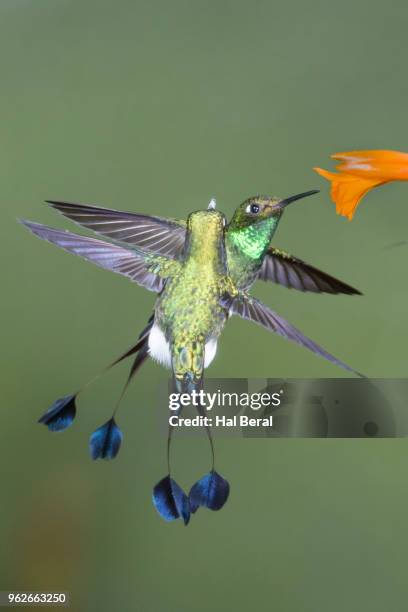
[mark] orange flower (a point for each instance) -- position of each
(361, 171)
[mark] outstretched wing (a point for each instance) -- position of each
(127, 262)
(289, 271)
(154, 234)
(253, 310)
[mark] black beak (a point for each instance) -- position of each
(299, 196)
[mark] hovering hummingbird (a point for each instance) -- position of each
(248, 247)
(197, 294)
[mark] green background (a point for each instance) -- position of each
(155, 107)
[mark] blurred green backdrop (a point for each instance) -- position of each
(155, 107)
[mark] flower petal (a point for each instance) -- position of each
(170, 500)
(360, 171)
(211, 491)
(105, 442)
(378, 164)
(61, 414)
(347, 190)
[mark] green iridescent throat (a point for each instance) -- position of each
(254, 239)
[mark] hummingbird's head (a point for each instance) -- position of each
(260, 208)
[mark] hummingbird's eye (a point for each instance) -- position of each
(253, 209)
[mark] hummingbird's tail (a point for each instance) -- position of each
(63, 411)
(212, 490)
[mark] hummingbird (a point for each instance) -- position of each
(196, 296)
(247, 238)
